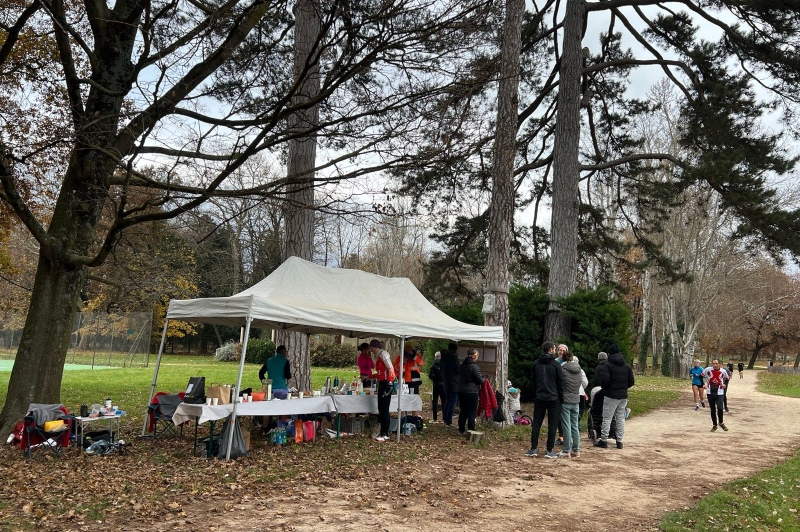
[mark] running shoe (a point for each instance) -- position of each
(532, 452)
(722, 425)
(563, 454)
(550, 454)
(559, 441)
(576, 454)
(381, 438)
(703, 404)
(696, 407)
(714, 428)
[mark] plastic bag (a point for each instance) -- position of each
(238, 446)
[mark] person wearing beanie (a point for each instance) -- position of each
(602, 358)
(615, 377)
(437, 380)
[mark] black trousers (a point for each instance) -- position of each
(384, 401)
(553, 411)
(715, 403)
(438, 394)
(468, 409)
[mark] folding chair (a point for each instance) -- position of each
(160, 412)
(46, 430)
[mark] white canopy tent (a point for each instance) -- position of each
(305, 297)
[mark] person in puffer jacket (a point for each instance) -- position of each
(571, 375)
(615, 377)
(548, 394)
(470, 381)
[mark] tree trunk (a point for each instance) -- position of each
(754, 357)
(39, 364)
(566, 174)
(501, 214)
(797, 360)
(299, 217)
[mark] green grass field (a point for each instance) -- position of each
(779, 384)
(129, 387)
(766, 502)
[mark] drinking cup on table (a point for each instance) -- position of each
(244, 397)
(208, 401)
(214, 401)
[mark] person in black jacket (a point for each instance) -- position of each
(437, 380)
(548, 392)
(615, 377)
(469, 387)
(450, 372)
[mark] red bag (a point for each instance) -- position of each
(309, 430)
(298, 431)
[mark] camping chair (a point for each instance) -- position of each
(46, 430)
(160, 412)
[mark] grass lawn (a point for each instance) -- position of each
(779, 384)
(129, 387)
(768, 501)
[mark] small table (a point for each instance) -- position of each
(81, 422)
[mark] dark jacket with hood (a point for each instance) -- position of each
(546, 378)
(450, 369)
(435, 374)
(470, 377)
(571, 375)
(616, 376)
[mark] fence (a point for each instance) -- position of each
(97, 339)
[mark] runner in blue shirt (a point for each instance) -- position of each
(697, 385)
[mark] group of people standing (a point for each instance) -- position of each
(456, 382)
(558, 386)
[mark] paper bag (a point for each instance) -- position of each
(223, 393)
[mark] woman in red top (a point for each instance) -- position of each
(366, 366)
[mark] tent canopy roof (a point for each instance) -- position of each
(305, 297)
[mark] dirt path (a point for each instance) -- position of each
(606, 489)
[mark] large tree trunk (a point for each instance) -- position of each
(299, 218)
(39, 363)
(501, 215)
(566, 174)
(754, 357)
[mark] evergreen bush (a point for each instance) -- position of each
(330, 355)
(598, 320)
(258, 351)
(527, 311)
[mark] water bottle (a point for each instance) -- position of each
(108, 403)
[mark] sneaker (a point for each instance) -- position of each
(601, 443)
(550, 454)
(381, 438)
(619, 445)
(559, 441)
(575, 454)
(714, 428)
(723, 427)
(703, 404)
(696, 407)
(563, 454)
(532, 452)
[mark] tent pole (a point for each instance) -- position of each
(155, 373)
(238, 387)
(400, 382)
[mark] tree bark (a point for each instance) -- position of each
(501, 214)
(39, 363)
(566, 174)
(299, 217)
(754, 357)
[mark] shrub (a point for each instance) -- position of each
(229, 352)
(258, 351)
(598, 320)
(331, 355)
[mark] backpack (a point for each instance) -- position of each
(498, 414)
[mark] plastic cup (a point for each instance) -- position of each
(208, 401)
(215, 401)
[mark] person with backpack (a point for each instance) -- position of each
(437, 380)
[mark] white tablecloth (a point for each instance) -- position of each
(342, 404)
(287, 407)
(368, 404)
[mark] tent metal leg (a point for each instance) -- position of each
(238, 387)
(155, 374)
